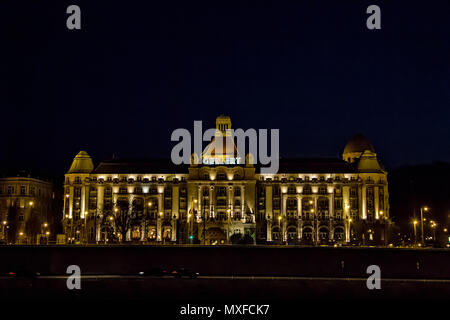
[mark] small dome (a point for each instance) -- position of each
(82, 163)
(358, 143)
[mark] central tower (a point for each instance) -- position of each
(223, 123)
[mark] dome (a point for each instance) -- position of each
(368, 162)
(358, 143)
(82, 163)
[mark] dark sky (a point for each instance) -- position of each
(137, 70)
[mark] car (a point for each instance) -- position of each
(154, 272)
(183, 272)
(22, 273)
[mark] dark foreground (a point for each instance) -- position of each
(329, 281)
(214, 289)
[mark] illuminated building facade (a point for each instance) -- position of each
(309, 201)
(26, 210)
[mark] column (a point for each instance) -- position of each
(331, 216)
(243, 203)
(159, 218)
(211, 200)
(346, 215)
(83, 200)
(299, 216)
(284, 215)
(70, 199)
(268, 198)
(316, 222)
(376, 202)
(199, 201)
(364, 202)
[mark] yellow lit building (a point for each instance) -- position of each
(309, 201)
(26, 206)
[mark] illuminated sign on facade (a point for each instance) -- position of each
(219, 160)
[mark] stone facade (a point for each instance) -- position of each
(26, 210)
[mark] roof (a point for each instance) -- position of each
(149, 166)
(315, 165)
(141, 166)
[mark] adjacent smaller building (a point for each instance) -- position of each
(26, 210)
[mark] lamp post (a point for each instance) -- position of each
(384, 218)
(279, 226)
(422, 209)
(350, 229)
(433, 226)
(415, 232)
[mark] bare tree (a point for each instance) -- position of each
(122, 218)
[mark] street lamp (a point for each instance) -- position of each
(350, 228)
(433, 226)
(415, 233)
(384, 218)
(421, 221)
(279, 226)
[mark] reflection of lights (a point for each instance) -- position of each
(279, 217)
(415, 222)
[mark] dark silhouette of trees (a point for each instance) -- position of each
(12, 223)
(33, 226)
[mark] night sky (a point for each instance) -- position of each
(138, 70)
